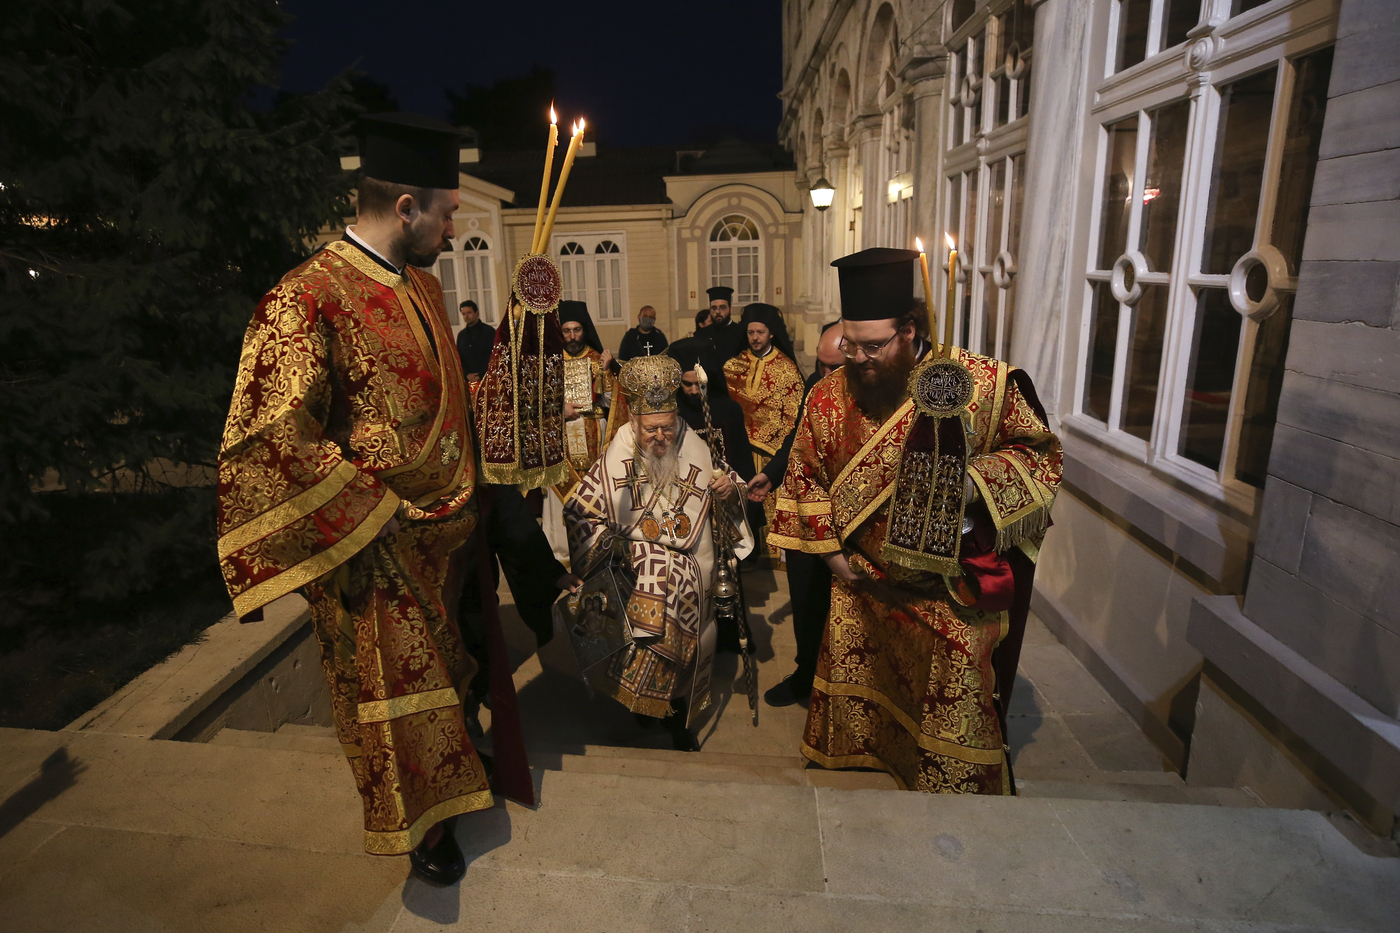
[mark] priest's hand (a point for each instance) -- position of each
(391, 527)
(570, 411)
(759, 487)
(840, 567)
(570, 582)
(606, 359)
(721, 484)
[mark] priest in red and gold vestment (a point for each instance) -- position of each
(347, 471)
(930, 517)
(767, 384)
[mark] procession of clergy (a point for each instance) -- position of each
(904, 487)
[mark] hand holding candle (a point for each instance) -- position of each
(535, 244)
(574, 143)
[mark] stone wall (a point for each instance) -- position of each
(1324, 579)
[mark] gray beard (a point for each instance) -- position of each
(661, 471)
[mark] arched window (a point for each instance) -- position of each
(607, 258)
(468, 273)
(601, 281)
(734, 257)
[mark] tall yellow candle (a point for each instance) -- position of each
(952, 296)
(928, 290)
(535, 245)
(574, 143)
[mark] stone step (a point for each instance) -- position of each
(296, 728)
(155, 834)
(1133, 792)
(280, 740)
(1095, 776)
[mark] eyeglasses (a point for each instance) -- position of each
(869, 350)
(660, 430)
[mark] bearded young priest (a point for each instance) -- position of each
(347, 472)
(653, 497)
(930, 515)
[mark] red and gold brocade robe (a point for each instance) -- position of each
(342, 418)
(910, 689)
(769, 390)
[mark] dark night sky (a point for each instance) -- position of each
(643, 73)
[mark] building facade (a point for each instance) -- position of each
(1180, 217)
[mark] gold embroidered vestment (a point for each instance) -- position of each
(348, 411)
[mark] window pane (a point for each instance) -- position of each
(1133, 16)
(1018, 190)
(962, 9)
(954, 208)
(1103, 342)
(990, 296)
(968, 248)
(1149, 324)
(1244, 6)
(1117, 190)
(1178, 18)
(1024, 23)
(1305, 113)
(1024, 92)
(1161, 193)
(1210, 378)
(975, 48)
(1238, 174)
(1003, 90)
(995, 205)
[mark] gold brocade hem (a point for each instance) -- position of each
(803, 507)
(404, 841)
(647, 706)
(788, 543)
(394, 707)
(320, 564)
(288, 511)
(851, 761)
(509, 474)
(976, 756)
(1029, 522)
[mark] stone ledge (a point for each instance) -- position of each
(165, 699)
(1210, 541)
(1358, 739)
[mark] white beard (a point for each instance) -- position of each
(661, 471)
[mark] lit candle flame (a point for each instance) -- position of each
(918, 244)
(553, 117)
(581, 121)
(949, 238)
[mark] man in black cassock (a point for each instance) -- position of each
(646, 339)
(727, 335)
(474, 341)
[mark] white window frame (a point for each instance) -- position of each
(983, 147)
(1230, 49)
(603, 308)
(456, 260)
(718, 247)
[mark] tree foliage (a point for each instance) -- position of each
(145, 208)
(509, 113)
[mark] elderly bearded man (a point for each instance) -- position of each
(909, 678)
(347, 472)
(652, 497)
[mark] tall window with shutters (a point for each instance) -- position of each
(1205, 167)
(594, 271)
(988, 99)
(467, 271)
(734, 257)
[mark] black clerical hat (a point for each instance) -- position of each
(768, 315)
(409, 149)
(877, 283)
(721, 293)
(577, 311)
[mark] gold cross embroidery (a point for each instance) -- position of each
(451, 450)
(689, 487)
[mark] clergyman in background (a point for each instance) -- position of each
(646, 339)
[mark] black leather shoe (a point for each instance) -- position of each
(444, 864)
(787, 693)
(683, 740)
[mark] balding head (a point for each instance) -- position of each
(829, 356)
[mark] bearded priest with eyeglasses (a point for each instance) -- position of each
(651, 500)
(924, 479)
